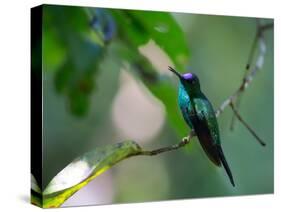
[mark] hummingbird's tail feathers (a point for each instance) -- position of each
(225, 165)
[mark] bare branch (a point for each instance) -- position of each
(250, 69)
(239, 117)
(247, 69)
(266, 27)
(184, 141)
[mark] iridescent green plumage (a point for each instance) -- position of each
(200, 116)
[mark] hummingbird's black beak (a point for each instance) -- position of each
(175, 72)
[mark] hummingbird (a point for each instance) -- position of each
(199, 115)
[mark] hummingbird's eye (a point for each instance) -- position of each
(192, 81)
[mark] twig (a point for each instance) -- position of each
(239, 117)
(183, 142)
(266, 27)
(247, 68)
(259, 38)
(247, 79)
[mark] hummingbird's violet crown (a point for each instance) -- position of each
(188, 76)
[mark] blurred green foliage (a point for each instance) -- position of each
(69, 36)
(75, 43)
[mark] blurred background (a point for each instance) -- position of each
(105, 80)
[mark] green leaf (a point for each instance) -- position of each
(36, 193)
(137, 27)
(129, 30)
(36, 199)
(54, 52)
(68, 18)
(79, 102)
(84, 169)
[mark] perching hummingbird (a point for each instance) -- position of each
(199, 114)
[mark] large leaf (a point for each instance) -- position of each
(84, 169)
(137, 27)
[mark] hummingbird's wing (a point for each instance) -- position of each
(207, 130)
(204, 123)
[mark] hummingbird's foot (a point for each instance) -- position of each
(186, 140)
